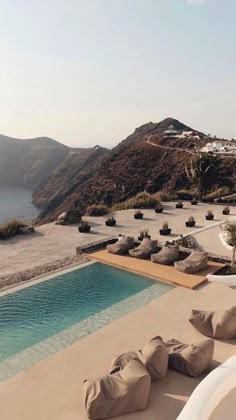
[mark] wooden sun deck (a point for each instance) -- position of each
(156, 271)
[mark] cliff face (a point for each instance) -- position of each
(53, 193)
(150, 159)
(27, 162)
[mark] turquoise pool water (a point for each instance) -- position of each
(35, 313)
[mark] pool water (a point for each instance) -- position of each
(35, 313)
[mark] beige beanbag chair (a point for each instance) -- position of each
(145, 249)
(218, 324)
(118, 394)
(154, 356)
(195, 262)
(167, 256)
(190, 359)
(121, 246)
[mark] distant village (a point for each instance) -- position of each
(210, 147)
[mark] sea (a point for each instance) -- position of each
(15, 203)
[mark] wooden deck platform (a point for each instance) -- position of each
(156, 271)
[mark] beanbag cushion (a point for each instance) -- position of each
(195, 262)
(154, 356)
(118, 394)
(145, 249)
(216, 324)
(167, 256)
(121, 246)
(190, 359)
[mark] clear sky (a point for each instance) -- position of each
(88, 72)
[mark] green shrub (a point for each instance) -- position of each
(97, 210)
(11, 228)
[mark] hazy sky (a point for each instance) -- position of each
(88, 72)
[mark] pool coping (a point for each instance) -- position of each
(19, 286)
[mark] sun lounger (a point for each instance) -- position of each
(145, 249)
(167, 256)
(122, 246)
(194, 263)
(190, 359)
(119, 393)
(216, 324)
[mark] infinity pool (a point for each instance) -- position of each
(35, 313)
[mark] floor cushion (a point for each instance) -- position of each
(119, 393)
(145, 249)
(190, 359)
(215, 324)
(154, 356)
(194, 263)
(122, 246)
(167, 256)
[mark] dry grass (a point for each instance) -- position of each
(140, 201)
(97, 210)
(163, 196)
(11, 228)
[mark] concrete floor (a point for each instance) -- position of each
(52, 389)
(52, 242)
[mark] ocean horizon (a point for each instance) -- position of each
(15, 203)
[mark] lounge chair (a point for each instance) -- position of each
(145, 249)
(119, 393)
(194, 263)
(167, 256)
(215, 324)
(122, 246)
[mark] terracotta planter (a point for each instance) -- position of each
(159, 210)
(138, 216)
(226, 212)
(165, 232)
(110, 222)
(194, 202)
(210, 217)
(179, 206)
(84, 229)
(190, 224)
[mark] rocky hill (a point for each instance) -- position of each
(71, 175)
(28, 162)
(153, 158)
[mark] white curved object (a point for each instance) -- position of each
(217, 388)
(223, 238)
(229, 280)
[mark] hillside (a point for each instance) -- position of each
(70, 176)
(153, 158)
(28, 162)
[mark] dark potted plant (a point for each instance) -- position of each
(226, 211)
(159, 208)
(85, 227)
(209, 215)
(194, 202)
(144, 233)
(138, 214)
(179, 205)
(165, 229)
(111, 221)
(190, 222)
